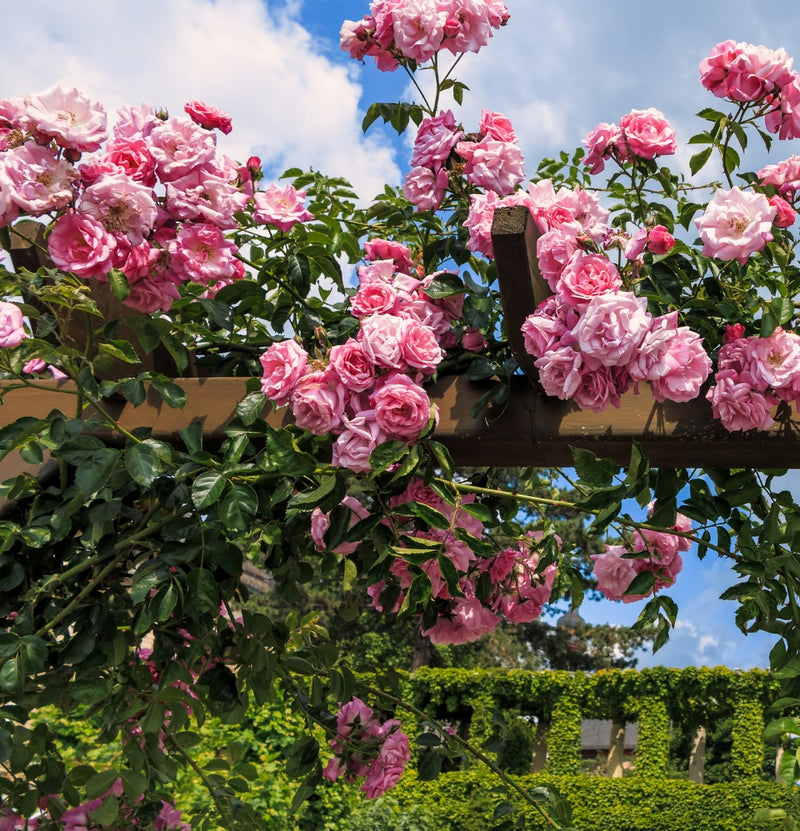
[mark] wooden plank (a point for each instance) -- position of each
(530, 430)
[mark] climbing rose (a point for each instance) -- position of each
(283, 364)
(81, 244)
(12, 331)
(736, 224)
(208, 117)
(647, 134)
(68, 116)
(281, 206)
(402, 407)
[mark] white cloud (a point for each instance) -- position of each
(290, 104)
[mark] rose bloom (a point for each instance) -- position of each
(201, 253)
(659, 240)
(647, 133)
(204, 194)
(473, 340)
(479, 223)
(69, 117)
(380, 338)
(152, 292)
(612, 326)
(647, 363)
(375, 296)
(744, 72)
(425, 188)
(283, 364)
(436, 137)
(359, 437)
(386, 770)
(785, 214)
(82, 245)
(317, 403)
(12, 329)
(687, 367)
(739, 406)
(586, 276)
(496, 126)
(544, 329)
(417, 28)
(352, 367)
(419, 346)
(38, 181)
(492, 165)
(124, 206)
(133, 157)
(384, 249)
(736, 224)
(468, 620)
(179, 146)
(600, 144)
(614, 573)
(560, 371)
(402, 407)
(784, 176)
(208, 117)
(281, 206)
(554, 250)
(775, 360)
(598, 389)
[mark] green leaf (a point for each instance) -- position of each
(643, 583)
(251, 407)
(173, 394)
(444, 285)
(207, 489)
(697, 161)
(201, 591)
(599, 473)
(142, 462)
(119, 284)
(238, 506)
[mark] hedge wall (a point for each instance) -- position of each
(465, 801)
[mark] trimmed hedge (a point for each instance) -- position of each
(465, 801)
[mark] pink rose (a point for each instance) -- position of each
(736, 224)
(586, 276)
(12, 329)
(496, 126)
(380, 337)
(201, 253)
(775, 360)
(69, 117)
(436, 137)
(402, 407)
(647, 134)
(382, 249)
(738, 405)
(560, 371)
(359, 437)
(612, 326)
(38, 181)
(614, 573)
(80, 244)
(352, 367)
(687, 367)
(419, 347)
(744, 72)
(554, 250)
(179, 146)
(126, 207)
(473, 340)
(479, 223)
(283, 364)
(133, 157)
(467, 621)
(425, 188)
(418, 28)
(281, 206)
(659, 240)
(317, 403)
(208, 117)
(600, 143)
(598, 389)
(492, 165)
(784, 176)
(785, 214)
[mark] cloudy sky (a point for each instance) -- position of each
(556, 70)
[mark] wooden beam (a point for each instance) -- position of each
(530, 430)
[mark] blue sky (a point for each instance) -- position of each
(556, 70)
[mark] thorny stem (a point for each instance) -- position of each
(473, 751)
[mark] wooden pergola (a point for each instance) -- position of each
(531, 429)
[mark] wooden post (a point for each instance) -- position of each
(539, 759)
(616, 750)
(697, 756)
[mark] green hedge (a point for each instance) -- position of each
(465, 801)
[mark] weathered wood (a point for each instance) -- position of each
(616, 750)
(697, 757)
(530, 430)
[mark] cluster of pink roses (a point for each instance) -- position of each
(753, 376)
(745, 73)
(416, 30)
(366, 746)
(656, 552)
(593, 341)
(490, 159)
(519, 587)
(153, 201)
(368, 390)
(80, 818)
(643, 134)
